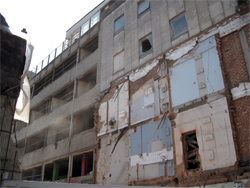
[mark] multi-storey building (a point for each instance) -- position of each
(144, 93)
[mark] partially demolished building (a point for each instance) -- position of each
(144, 93)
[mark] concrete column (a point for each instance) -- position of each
(43, 169)
(70, 167)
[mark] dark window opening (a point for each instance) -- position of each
(63, 97)
(48, 172)
(21, 148)
(57, 170)
(65, 66)
(119, 24)
(143, 6)
(58, 132)
(146, 46)
(35, 142)
(82, 164)
(191, 151)
(43, 83)
(179, 25)
(33, 174)
(19, 125)
(40, 111)
(83, 120)
(86, 83)
(89, 48)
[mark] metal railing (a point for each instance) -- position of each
(66, 43)
(55, 53)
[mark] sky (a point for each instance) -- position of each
(46, 21)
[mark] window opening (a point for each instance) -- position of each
(33, 174)
(86, 83)
(143, 6)
(58, 132)
(179, 25)
(83, 120)
(65, 66)
(43, 83)
(89, 48)
(146, 45)
(84, 28)
(191, 151)
(40, 110)
(119, 24)
(83, 165)
(63, 97)
(94, 19)
(35, 142)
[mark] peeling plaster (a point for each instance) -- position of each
(139, 73)
(242, 91)
(153, 157)
(178, 53)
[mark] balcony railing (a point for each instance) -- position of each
(66, 43)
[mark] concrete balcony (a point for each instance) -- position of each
(79, 142)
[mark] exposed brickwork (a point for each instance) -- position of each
(247, 33)
(233, 59)
(242, 120)
(235, 72)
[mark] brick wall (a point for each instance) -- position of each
(235, 72)
(233, 60)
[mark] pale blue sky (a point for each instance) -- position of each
(46, 21)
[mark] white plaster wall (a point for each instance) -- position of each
(214, 134)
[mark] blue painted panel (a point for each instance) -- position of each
(202, 47)
(211, 63)
(150, 134)
(139, 113)
(146, 135)
(170, 169)
(205, 45)
(135, 141)
(161, 169)
(184, 83)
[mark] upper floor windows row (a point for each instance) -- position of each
(90, 23)
(178, 24)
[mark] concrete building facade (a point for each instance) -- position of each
(144, 93)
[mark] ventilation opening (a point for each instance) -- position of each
(191, 151)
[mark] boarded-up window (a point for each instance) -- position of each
(118, 62)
